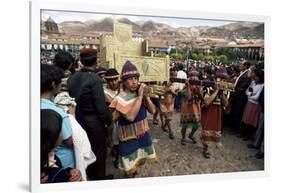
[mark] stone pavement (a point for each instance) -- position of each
(175, 159)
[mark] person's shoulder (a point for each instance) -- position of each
(124, 96)
(52, 106)
(93, 76)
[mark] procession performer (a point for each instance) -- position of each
(215, 101)
(191, 108)
(111, 90)
(156, 102)
(135, 144)
(100, 71)
(167, 108)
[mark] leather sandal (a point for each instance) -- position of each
(192, 139)
(183, 142)
(206, 154)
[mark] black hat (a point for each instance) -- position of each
(111, 73)
(100, 70)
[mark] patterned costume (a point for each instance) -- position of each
(191, 109)
(109, 96)
(135, 141)
(167, 103)
(212, 114)
(135, 144)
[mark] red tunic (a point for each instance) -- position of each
(212, 120)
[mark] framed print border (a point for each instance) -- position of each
(35, 16)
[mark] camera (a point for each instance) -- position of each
(250, 89)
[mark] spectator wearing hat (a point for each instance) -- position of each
(191, 108)
(91, 110)
(239, 98)
(214, 101)
(166, 108)
(135, 144)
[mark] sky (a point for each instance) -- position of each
(60, 16)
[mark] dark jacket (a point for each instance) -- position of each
(243, 83)
(57, 174)
(86, 87)
(261, 100)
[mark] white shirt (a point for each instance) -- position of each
(241, 74)
(180, 74)
(257, 88)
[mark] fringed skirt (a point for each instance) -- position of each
(134, 151)
(190, 115)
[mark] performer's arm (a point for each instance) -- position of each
(132, 113)
(211, 98)
(188, 91)
(149, 105)
(224, 100)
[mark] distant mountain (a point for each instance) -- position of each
(136, 26)
(73, 27)
(232, 31)
(238, 30)
(105, 25)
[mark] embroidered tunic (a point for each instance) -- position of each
(135, 141)
(191, 109)
(212, 119)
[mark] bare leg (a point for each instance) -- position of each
(168, 124)
(183, 140)
(163, 123)
(191, 135)
(206, 153)
(155, 115)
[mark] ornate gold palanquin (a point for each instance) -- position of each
(117, 49)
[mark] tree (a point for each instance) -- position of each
(200, 56)
(223, 58)
(177, 56)
(209, 58)
(194, 56)
(173, 51)
(160, 54)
